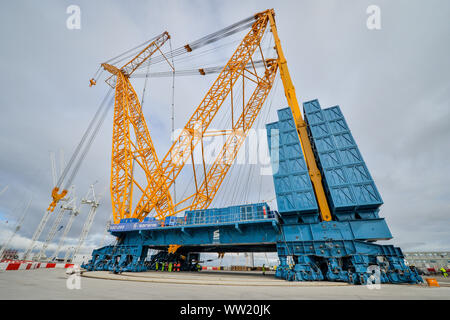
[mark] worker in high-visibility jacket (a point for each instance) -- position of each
(170, 267)
(444, 272)
(156, 266)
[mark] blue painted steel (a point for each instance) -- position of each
(308, 250)
(347, 180)
(293, 188)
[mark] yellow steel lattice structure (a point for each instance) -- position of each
(199, 122)
(129, 121)
(161, 175)
(217, 172)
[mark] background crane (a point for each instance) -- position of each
(55, 227)
(94, 202)
(16, 228)
(71, 207)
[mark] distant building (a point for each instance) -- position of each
(428, 259)
(10, 254)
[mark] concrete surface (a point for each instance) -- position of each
(228, 278)
(51, 284)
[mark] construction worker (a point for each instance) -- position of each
(264, 269)
(162, 266)
(156, 266)
(444, 272)
(170, 266)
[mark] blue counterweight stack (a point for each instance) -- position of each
(293, 188)
(350, 188)
(342, 249)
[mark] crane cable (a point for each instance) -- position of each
(99, 118)
(208, 39)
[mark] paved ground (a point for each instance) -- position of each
(51, 284)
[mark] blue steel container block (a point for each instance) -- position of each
(347, 180)
(333, 113)
(330, 159)
(357, 173)
(342, 198)
(311, 106)
(284, 114)
(296, 201)
(324, 144)
(337, 126)
(293, 186)
(319, 130)
(315, 118)
(344, 140)
(350, 156)
(170, 221)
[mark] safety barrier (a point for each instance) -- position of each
(30, 265)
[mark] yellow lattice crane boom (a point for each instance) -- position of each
(126, 149)
(196, 127)
(132, 144)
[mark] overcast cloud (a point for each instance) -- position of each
(393, 86)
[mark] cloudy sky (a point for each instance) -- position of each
(392, 84)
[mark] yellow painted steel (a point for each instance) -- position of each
(173, 248)
(126, 152)
(56, 197)
(218, 170)
(161, 175)
(291, 97)
(199, 122)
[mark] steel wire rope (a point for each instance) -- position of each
(265, 121)
(195, 54)
(83, 139)
(213, 37)
(226, 119)
(91, 139)
(114, 61)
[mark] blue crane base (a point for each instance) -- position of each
(309, 249)
(333, 251)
